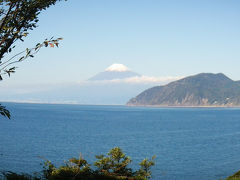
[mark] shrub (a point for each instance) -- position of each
(236, 176)
(113, 166)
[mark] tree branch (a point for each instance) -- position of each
(4, 20)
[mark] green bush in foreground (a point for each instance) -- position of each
(14, 176)
(236, 176)
(113, 166)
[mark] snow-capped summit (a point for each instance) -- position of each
(115, 71)
(117, 67)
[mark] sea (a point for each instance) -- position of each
(189, 143)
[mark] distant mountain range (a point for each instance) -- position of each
(205, 89)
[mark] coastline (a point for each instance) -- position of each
(126, 105)
(60, 103)
(170, 106)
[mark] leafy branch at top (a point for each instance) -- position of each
(17, 19)
(7, 66)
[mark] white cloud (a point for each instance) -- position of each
(136, 80)
(147, 79)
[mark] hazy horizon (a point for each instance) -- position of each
(157, 39)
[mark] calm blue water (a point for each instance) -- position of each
(190, 143)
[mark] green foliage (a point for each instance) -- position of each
(48, 168)
(236, 176)
(14, 176)
(4, 112)
(115, 162)
(113, 166)
(17, 18)
(145, 170)
(205, 89)
(74, 168)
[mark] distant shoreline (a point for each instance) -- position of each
(166, 106)
(60, 103)
(146, 106)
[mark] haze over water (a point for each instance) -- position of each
(190, 143)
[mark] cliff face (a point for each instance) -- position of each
(204, 89)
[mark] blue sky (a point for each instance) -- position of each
(152, 37)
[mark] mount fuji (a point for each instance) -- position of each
(113, 86)
(115, 71)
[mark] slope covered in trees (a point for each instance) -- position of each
(204, 89)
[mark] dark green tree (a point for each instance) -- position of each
(113, 166)
(17, 19)
(145, 168)
(116, 162)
